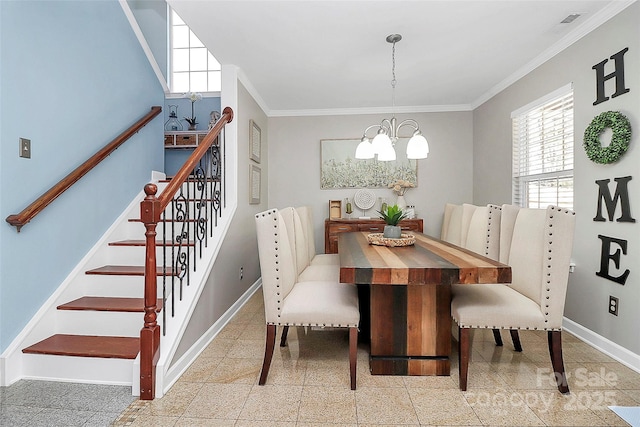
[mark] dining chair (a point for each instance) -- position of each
(539, 256)
(306, 217)
(289, 302)
(452, 224)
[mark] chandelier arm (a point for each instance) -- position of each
(409, 122)
(364, 134)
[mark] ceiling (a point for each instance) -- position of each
(331, 57)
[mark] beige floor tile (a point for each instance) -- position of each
(430, 382)
(272, 403)
(580, 352)
(384, 406)
(564, 410)
(236, 371)
(201, 369)
(600, 401)
(218, 401)
(231, 331)
(328, 372)
(218, 347)
(260, 423)
(442, 407)
(327, 405)
(247, 349)
(286, 371)
(502, 407)
(633, 394)
(151, 421)
(616, 374)
(204, 422)
(175, 401)
(365, 379)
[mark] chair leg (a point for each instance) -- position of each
(555, 351)
(497, 337)
(516, 339)
(268, 353)
(464, 350)
(353, 355)
(283, 338)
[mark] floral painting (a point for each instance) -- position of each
(340, 169)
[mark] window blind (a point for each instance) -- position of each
(543, 152)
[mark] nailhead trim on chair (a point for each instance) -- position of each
(492, 209)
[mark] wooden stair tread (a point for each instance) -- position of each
(127, 270)
(142, 242)
(87, 346)
(131, 305)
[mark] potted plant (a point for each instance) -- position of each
(392, 215)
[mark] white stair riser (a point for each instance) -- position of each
(96, 370)
(89, 322)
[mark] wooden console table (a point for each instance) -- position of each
(333, 227)
(410, 298)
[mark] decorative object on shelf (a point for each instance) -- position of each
(383, 144)
(193, 97)
(255, 179)
(364, 200)
(173, 124)
(348, 208)
(411, 212)
(335, 209)
(340, 170)
(214, 117)
(379, 240)
(255, 141)
(621, 128)
(400, 186)
(392, 216)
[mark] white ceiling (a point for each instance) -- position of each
(315, 57)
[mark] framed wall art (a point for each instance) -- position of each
(255, 141)
(255, 179)
(340, 169)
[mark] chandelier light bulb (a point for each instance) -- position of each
(418, 147)
(380, 142)
(387, 154)
(365, 149)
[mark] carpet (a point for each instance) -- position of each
(630, 414)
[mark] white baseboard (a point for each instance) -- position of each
(605, 345)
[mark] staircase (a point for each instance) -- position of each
(95, 328)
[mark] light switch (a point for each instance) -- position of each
(25, 148)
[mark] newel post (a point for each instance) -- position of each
(150, 333)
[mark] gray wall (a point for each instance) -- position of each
(587, 298)
(443, 177)
(240, 247)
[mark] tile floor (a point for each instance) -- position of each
(308, 385)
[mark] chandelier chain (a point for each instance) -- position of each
(393, 74)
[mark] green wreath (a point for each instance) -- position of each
(621, 128)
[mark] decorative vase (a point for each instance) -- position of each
(402, 204)
(193, 126)
(392, 231)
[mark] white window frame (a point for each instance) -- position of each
(543, 150)
(193, 43)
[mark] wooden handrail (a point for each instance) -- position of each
(151, 209)
(19, 220)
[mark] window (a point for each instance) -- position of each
(193, 68)
(543, 151)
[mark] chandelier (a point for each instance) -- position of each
(387, 135)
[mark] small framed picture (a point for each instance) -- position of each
(255, 179)
(255, 142)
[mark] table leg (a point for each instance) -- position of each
(410, 329)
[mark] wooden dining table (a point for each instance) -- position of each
(409, 291)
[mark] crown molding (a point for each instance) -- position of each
(599, 18)
(370, 110)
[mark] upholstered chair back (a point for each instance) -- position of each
(452, 224)
(306, 217)
(297, 238)
(508, 216)
(277, 262)
(539, 257)
(467, 213)
(483, 233)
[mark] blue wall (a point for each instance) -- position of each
(73, 77)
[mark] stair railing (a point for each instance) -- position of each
(191, 204)
(38, 205)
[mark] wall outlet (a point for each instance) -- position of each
(613, 305)
(241, 272)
